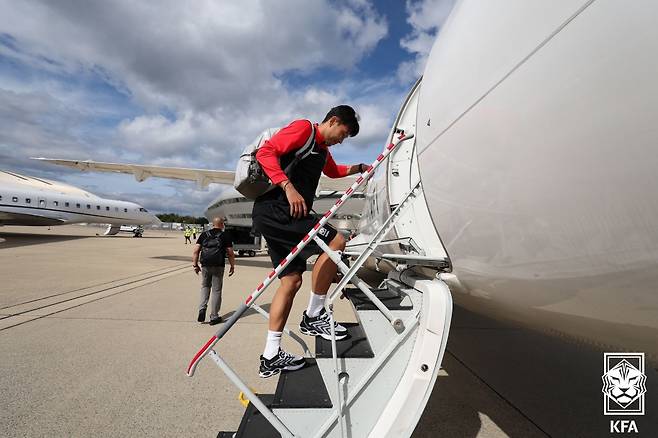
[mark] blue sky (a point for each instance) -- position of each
(188, 84)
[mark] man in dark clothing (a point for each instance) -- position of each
(211, 246)
(282, 217)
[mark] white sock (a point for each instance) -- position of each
(315, 304)
(272, 345)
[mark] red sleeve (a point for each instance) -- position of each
(333, 170)
(288, 139)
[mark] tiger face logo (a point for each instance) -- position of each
(624, 383)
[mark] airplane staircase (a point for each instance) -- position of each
(385, 376)
(374, 383)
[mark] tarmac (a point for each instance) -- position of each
(96, 333)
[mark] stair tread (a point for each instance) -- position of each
(254, 424)
(303, 388)
(356, 345)
(391, 299)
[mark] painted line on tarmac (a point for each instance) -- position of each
(144, 282)
(87, 287)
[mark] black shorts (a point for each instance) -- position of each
(282, 233)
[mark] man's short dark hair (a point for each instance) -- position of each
(347, 116)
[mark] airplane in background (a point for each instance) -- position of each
(230, 204)
(26, 200)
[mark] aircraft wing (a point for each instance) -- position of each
(203, 177)
(336, 184)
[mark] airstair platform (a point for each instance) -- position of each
(385, 376)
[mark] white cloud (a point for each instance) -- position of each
(197, 82)
(426, 18)
(214, 54)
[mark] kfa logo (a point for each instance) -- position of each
(624, 383)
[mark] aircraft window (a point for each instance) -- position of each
(77, 205)
(125, 210)
(98, 207)
(28, 201)
(66, 204)
(0, 197)
(143, 209)
(88, 206)
(55, 203)
(107, 208)
(42, 203)
(15, 199)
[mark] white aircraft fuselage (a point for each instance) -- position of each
(26, 200)
(535, 144)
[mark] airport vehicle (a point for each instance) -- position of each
(26, 200)
(136, 230)
(245, 242)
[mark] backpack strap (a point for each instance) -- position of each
(210, 236)
(304, 151)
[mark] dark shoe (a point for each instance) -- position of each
(214, 321)
(320, 326)
(282, 361)
(202, 315)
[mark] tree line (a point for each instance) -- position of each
(173, 217)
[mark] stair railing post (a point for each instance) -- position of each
(348, 275)
(372, 245)
(334, 355)
(253, 398)
(381, 358)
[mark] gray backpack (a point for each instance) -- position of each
(250, 179)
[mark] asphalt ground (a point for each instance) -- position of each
(96, 334)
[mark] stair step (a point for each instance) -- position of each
(254, 424)
(391, 299)
(303, 388)
(356, 344)
(225, 434)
